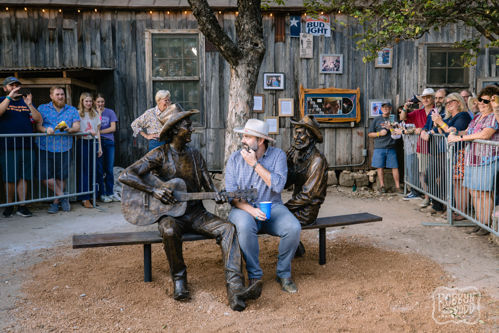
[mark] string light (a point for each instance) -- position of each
(79, 11)
(150, 12)
(95, 10)
(237, 13)
(168, 12)
(339, 11)
(185, 12)
(60, 10)
(270, 14)
(25, 9)
(322, 13)
(43, 10)
(7, 8)
(219, 12)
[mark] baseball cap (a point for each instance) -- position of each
(386, 104)
(10, 80)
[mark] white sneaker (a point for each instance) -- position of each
(105, 198)
(115, 197)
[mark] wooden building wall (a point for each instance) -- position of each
(115, 39)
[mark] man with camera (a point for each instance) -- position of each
(17, 115)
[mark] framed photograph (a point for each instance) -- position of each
(259, 103)
(384, 59)
(273, 124)
(486, 81)
(286, 107)
(375, 106)
(331, 64)
(330, 104)
(273, 81)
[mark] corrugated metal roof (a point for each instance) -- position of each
(132, 4)
(51, 69)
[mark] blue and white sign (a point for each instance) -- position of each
(294, 26)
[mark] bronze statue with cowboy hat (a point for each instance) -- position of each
(307, 171)
(172, 160)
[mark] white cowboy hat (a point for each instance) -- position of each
(427, 92)
(255, 127)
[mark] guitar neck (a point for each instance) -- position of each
(186, 196)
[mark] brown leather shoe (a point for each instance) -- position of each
(86, 204)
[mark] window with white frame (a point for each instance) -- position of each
(175, 66)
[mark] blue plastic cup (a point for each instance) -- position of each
(265, 207)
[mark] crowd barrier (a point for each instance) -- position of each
(77, 168)
(459, 177)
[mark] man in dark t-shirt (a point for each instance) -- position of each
(384, 155)
(17, 115)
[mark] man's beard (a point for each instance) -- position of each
(59, 104)
(248, 147)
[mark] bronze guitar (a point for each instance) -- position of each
(141, 208)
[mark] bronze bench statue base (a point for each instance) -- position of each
(149, 237)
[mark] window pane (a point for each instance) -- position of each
(175, 55)
(186, 93)
(456, 75)
(436, 76)
(455, 59)
(437, 59)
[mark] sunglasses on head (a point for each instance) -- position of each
(484, 101)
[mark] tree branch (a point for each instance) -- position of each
(209, 26)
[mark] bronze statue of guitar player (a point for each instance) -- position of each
(157, 176)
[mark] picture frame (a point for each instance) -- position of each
(286, 107)
(385, 58)
(331, 64)
(375, 106)
(273, 124)
(486, 81)
(259, 103)
(332, 105)
(273, 81)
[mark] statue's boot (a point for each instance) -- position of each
(180, 291)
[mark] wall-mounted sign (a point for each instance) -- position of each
(294, 26)
(306, 46)
(318, 25)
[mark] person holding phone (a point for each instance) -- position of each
(55, 150)
(17, 115)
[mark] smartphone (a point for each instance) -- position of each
(24, 91)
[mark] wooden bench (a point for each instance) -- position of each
(149, 237)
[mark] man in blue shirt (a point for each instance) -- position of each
(55, 150)
(16, 154)
(265, 168)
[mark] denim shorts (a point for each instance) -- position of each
(384, 158)
(481, 177)
(54, 165)
(17, 164)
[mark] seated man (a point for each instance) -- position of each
(307, 171)
(263, 167)
(175, 159)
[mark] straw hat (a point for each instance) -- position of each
(173, 114)
(255, 127)
(427, 92)
(311, 124)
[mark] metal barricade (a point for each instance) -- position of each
(32, 174)
(461, 176)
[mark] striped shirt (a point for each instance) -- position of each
(239, 175)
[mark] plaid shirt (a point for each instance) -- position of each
(51, 118)
(148, 122)
(238, 174)
(479, 153)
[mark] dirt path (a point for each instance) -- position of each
(379, 277)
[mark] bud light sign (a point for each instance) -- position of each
(318, 25)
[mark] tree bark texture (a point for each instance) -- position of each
(244, 57)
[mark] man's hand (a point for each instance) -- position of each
(28, 99)
(221, 198)
(14, 93)
(50, 130)
(453, 138)
(150, 136)
(397, 131)
(165, 195)
(257, 214)
(425, 136)
(249, 157)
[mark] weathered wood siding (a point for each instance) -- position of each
(115, 39)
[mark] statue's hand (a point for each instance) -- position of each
(290, 154)
(165, 195)
(220, 198)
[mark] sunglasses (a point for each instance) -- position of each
(484, 101)
(448, 102)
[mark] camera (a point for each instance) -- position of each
(24, 92)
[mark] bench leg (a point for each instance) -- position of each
(322, 246)
(147, 263)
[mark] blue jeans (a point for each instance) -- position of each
(105, 164)
(85, 152)
(155, 143)
(282, 223)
